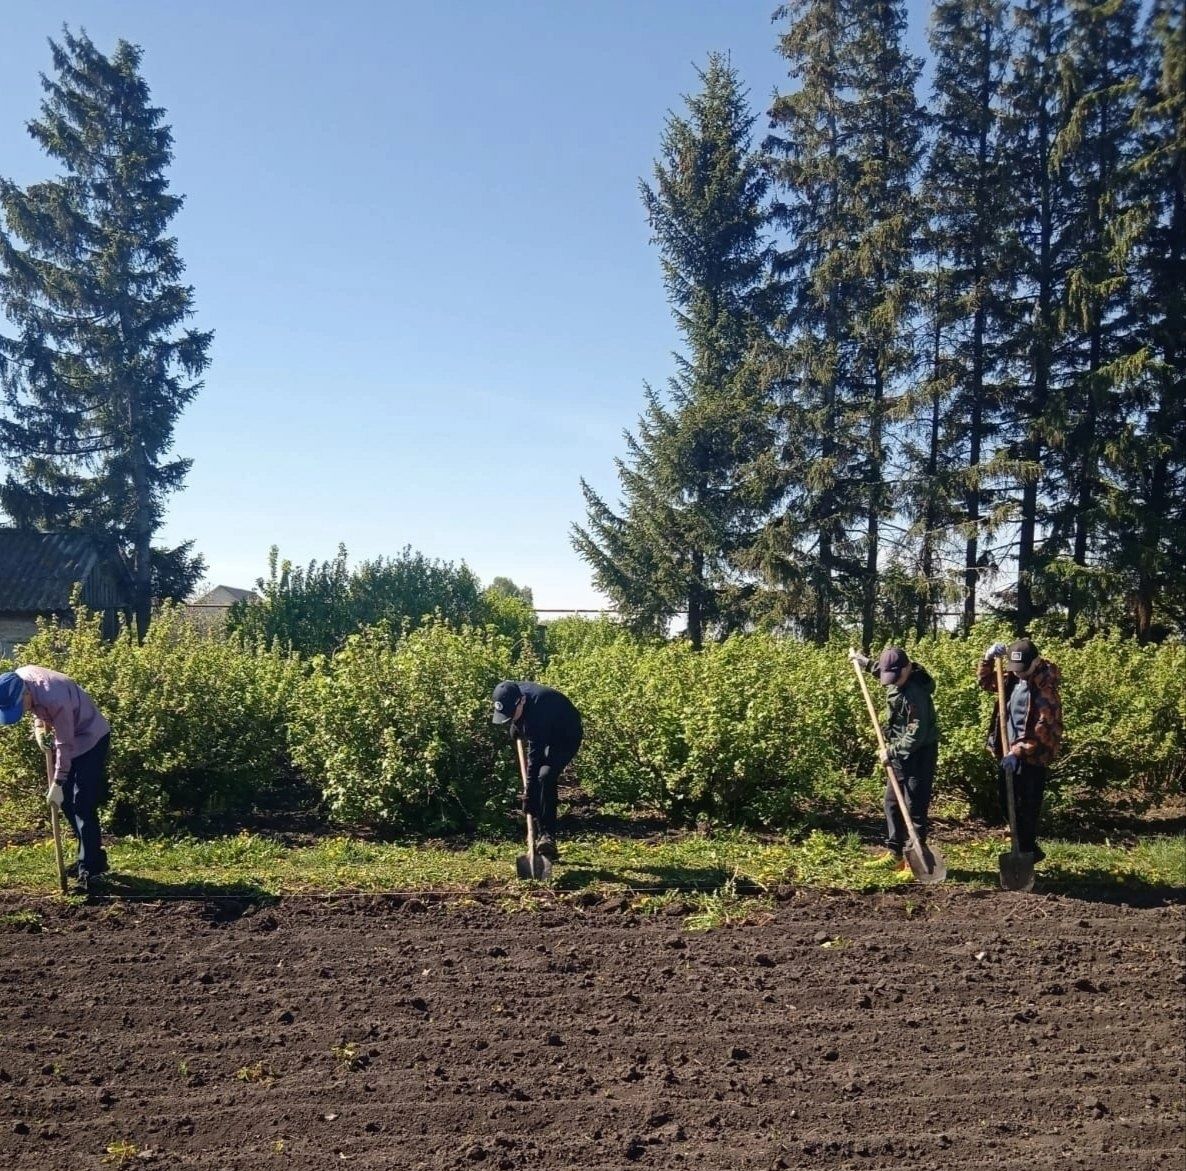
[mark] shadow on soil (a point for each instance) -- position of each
(129, 886)
(1085, 886)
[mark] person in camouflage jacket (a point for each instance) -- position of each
(1033, 719)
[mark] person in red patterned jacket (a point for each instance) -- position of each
(1033, 720)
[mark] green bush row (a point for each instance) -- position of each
(392, 730)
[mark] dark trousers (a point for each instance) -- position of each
(1029, 787)
(81, 794)
(542, 795)
(916, 774)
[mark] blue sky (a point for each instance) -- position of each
(415, 230)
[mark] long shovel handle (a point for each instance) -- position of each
(1010, 800)
(899, 796)
(55, 825)
(530, 820)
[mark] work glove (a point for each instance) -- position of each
(995, 651)
(1010, 762)
(885, 756)
(54, 794)
(861, 661)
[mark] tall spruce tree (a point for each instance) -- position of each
(100, 367)
(843, 150)
(963, 193)
(1101, 73)
(1145, 531)
(1041, 252)
(690, 484)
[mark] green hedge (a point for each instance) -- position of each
(399, 736)
(395, 734)
(198, 723)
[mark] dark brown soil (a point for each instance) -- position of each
(927, 1029)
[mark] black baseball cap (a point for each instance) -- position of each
(894, 660)
(506, 698)
(1019, 656)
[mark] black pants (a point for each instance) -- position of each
(84, 789)
(916, 774)
(542, 795)
(1029, 787)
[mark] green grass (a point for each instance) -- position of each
(728, 868)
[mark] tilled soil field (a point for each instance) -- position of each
(933, 1029)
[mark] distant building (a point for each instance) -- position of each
(40, 571)
(212, 607)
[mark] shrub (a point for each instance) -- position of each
(400, 736)
(745, 730)
(198, 722)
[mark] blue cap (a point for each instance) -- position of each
(12, 697)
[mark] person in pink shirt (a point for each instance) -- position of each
(82, 738)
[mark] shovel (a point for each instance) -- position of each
(926, 864)
(531, 864)
(1017, 869)
(54, 822)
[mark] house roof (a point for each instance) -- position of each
(225, 596)
(38, 571)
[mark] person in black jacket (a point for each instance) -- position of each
(546, 720)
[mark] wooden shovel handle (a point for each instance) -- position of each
(1010, 799)
(55, 824)
(530, 820)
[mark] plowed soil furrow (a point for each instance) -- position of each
(945, 1029)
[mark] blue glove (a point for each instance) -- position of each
(995, 651)
(1010, 762)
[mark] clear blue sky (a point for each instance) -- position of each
(415, 230)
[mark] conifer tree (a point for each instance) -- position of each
(690, 486)
(964, 197)
(1101, 76)
(843, 150)
(1145, 532)
(1041, 252)
(100, 366)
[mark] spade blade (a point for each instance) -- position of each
(926, 863)
(1017, 871)
(533, 866)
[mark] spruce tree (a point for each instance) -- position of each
(100, 366)
(1041, 251)
(1145, 533)
(690, 488)
(1101, 75)
(968, 216)
(843, 150)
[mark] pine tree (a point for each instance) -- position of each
(100, 367)
(843, 150)
(689, 483)
(964, 196)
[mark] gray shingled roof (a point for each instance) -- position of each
(38, 571)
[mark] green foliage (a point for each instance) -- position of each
(400, 736)
(313, 610)
(198, 723)
(573, 635)
(754, 729)
(693, 482)
(103, 362)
